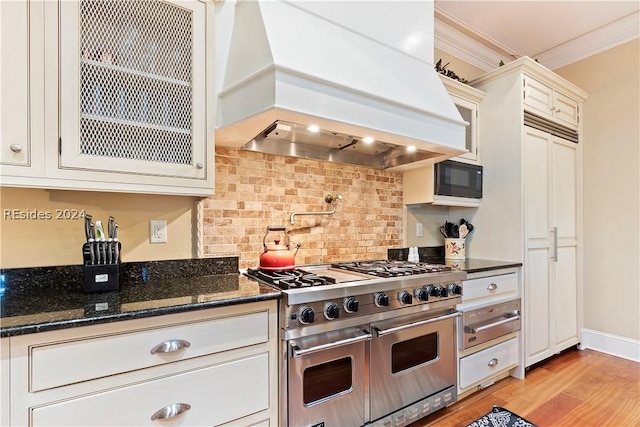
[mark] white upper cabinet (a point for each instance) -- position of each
(467, 100)
(126, 98)
(550, 103)
(14, 84)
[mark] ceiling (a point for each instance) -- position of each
(556, 33)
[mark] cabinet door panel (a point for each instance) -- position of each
(215, 393)
(538, 97)
(537, 299)
(14, 83)
(564, 298)
(477, 367)
(566, 109)
(58, 364)
(536, 170)
(564, 188)
(129, 88)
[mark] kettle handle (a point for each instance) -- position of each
(272, 228)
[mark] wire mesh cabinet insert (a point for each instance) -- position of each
(133, 92)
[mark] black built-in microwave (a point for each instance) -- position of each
(458, 179)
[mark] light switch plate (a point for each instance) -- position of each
(419, 230)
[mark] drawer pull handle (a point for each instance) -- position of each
(492, 287)
(493, 362)
(507, 319)
(170, 411)
(170, 346)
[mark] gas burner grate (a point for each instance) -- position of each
(383, 268)
(293, 279)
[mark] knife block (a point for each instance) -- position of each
(101, 278)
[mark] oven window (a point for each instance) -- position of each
(326, 380)
(407, 354)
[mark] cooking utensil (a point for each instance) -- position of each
(463, 230)
(443, 232)
(277, 256)
(455, 231)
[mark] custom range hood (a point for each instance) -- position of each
(299, 82)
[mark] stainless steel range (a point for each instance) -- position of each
(366, 343)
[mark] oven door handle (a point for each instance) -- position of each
(383, 332)
(474, 330)
(298, 352)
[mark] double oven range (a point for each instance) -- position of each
(366, 343)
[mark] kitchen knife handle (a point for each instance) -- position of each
(170, 346)
(170, 411)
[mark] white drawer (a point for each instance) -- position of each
(58, 364)
(489, 286)
(488, 362)
(216, 395)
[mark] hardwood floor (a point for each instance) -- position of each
(577, 388)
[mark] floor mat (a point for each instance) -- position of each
(500, 417)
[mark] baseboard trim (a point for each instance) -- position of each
(614, 345)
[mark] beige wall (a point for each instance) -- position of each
(256, 190)
(461, 68)
(48, 242)
(611, 188)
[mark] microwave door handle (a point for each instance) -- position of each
(474, 330)
(383, 332)
(298, 352)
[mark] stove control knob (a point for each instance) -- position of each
(455, 289)
(437, 291)
(331, 311)
(306, 315)
(381, 299)
(350, 304)
(421, 294)
(405, 298)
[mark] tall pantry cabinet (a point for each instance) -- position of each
(532, 206)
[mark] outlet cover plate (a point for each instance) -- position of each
(158, 231)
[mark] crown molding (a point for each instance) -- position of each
(463, 47)
(603, 38)
(479, 54)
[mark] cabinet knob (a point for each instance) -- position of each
(493, 362)
(16, 148)
(170, 411)
(199, 165)
(492, 287)
(170, 346)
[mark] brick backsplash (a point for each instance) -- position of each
(254, 190)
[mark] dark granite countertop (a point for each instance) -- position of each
(30, 302)
(475, 265)
(435, 255)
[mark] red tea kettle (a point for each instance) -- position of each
(277, 256)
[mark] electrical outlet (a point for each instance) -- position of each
(419, 230)
(158, 231)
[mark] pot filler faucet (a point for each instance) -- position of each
(331, 199)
